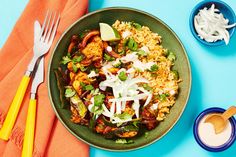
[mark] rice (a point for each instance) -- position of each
(162, 81)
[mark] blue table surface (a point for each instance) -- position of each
(213, 73)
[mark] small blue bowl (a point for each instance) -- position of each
(224, 8)
(219, 148)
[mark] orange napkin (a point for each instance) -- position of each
(51, 138)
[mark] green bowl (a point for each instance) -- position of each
(170, 41)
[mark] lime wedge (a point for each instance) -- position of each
(108, 33)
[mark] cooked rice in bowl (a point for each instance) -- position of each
(162, 81)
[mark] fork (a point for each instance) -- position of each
(42, 44)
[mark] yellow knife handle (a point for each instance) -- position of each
(29, 130)
(14, 109)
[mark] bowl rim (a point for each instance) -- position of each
(134, 10)
(222, 147)
(202, 5)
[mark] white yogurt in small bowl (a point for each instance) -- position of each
(205, 135)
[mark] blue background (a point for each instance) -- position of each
(213, 73)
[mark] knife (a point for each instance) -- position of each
(10, 119)
(31, 115)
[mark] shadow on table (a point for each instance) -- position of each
(227, 153)
(177, 135)
(223, 50)
(95, 5)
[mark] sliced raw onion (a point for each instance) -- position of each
(211, 25)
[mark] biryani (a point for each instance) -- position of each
(118, 80)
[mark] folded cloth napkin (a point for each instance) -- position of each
(51, 138)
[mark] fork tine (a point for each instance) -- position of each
(44, 23)
(50, 30)
(46, 30)
(54, 30)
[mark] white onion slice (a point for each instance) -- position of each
(211, 25)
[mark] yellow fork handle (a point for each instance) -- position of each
(14, 109)
(29, 130)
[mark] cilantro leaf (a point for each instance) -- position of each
(65, 60)
(108, 58)
(99, 99)
(77, 59)
(82, 68)
(74, 67)
(69, 92)
(122, 76)
(136, 25)
(141, 53)
(89, 87)
(171, 56)
(163, 97)
(132, 44)
(124, 141)
(176, 74)
(124, 116)
(147, 87)
(136, 123)
(154, 68)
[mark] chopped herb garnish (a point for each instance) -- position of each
(124, 141)
(92, 122)
(121, 52)
(132, 44)
(136, 25)
(154, 68)
(65, 60)
(86, 87)
(77, 59)
(125, 43)
(99, 99)
(171, 56)
(95, 92)
(98, 102)
(141, 53)
(147, 87)
(82, 68)
(176, 74)
(108, 58)
(117, 64)
(74, 67)
(166, 53)
(163, 97)
(69, 92)
(82, 85)
(89, 87)
(146, 134)
(120, 95)
(96, 70)
(68, 55)
(124, 116)
(136, 123)
(122, 76)
(98, 110)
